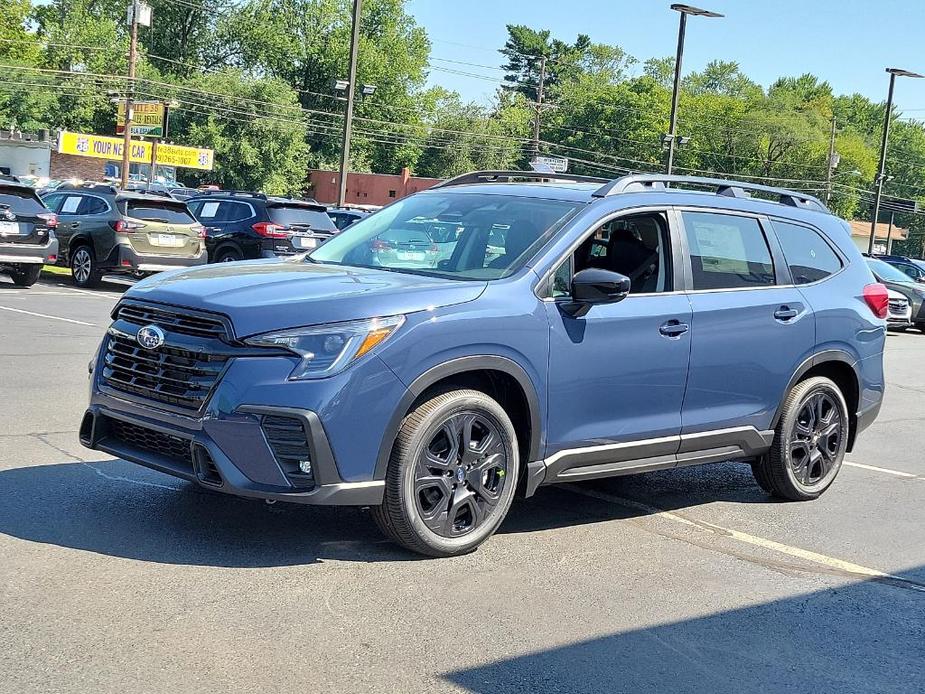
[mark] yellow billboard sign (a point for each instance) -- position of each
(147, 118)
(103, 147)
(186, 157)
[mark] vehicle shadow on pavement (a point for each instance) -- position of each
(120, 509)
(116, 508)
(864, 637)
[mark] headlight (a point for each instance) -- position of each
(328, 349)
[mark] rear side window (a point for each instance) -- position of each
(157, 212)
(21, 200)
(809, 257)
(92, 205)
(228, 211)
(727, 251)
(297, 215)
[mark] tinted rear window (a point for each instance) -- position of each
(289, 215)
(21, 200)
(157, 212)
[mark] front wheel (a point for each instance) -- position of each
(809, 442)
(26, 275)
(452, 475)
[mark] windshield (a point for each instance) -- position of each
(300, 216)
(887, 272)
(458, 235)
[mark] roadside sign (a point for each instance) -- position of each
(147, 118)
(102, 147)
(556, 164)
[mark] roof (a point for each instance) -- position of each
(862, 228)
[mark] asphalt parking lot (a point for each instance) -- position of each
(114, 578)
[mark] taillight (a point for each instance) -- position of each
(200, 230)
(380, 245)
(270, 230)
(51, 219)
(878, 299)
(122, 227)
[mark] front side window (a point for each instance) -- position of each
(474, 236)
(809, 257)
(727, 251)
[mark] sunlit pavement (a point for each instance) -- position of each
(114, 578)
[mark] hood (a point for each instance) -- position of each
(264, 295)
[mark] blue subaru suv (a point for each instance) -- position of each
(566, 329)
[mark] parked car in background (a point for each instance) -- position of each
(103, 230)
(899, 316)
(899, 281)
(183, 193)
(27, 232)
(241, 225)
(617, 327)
(911, 266)
(343, 217)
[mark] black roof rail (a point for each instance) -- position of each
(90, 186)
(509, 176)
(635, 183)
(234, 193)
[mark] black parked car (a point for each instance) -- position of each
(27, 236)
(913, 267)
(242, 225)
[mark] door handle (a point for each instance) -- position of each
(673, 328)
(785, 313)
(74, 225)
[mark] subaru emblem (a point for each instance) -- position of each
(150, 337)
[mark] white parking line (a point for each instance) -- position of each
(805, 554)
(43, 315)
(886, 471)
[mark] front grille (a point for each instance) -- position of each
(173, 447)
(194, 325)
(898, 305)
(170, 374)
(289, 443)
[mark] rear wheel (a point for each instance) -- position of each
(84, 270)
(25, 275)
(452, 475)
(809, 442)
(229, 255)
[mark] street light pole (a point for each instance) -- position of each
(672, 136)
(351, 90)
(881, 170)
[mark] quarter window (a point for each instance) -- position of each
(92, 205)
(809, 257)
(727, 251)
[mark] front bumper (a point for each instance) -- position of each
(247, 457)
(344, 419)
(131, 260)
(28, 254)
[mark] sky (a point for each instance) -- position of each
(848, 43)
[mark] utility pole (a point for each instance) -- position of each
(889, 233)
(831, 164)
(130, 92)
(539, 107)
(351, 90)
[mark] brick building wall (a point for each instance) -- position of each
(367, 188)
(70, 166)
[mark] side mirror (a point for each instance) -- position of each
(596, 286)
(920, 279)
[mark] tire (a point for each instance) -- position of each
(229, 255)
(809, 442)
(84, 270)
(26, 275)
(920, 326)
(438, 501)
